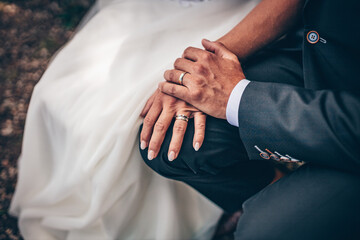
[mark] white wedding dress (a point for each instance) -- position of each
(80, 172)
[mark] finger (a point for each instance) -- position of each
(148, 105)
(174, 76)
(219, 49)
(149, 122)
(175, 90)
(199, 135)
(193, 54)
(158, 134)
(184, 64)
(177, 138)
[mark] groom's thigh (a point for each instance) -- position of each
(220, 170)
(310, 203)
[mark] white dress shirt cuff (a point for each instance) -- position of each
(232, 107)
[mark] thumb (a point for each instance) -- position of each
(219, 49)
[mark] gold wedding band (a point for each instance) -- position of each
(182, 117)
(181, 78)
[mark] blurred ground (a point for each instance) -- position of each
(30, 33)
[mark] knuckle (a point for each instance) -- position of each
(179, 128)
(171, 75)
(162, 87)
(172, 105)
(212, 76)
(159, 126)
(207, 56)
(199, 82)
(166, 74)
(196, 94)
(177, 62)
(200, 69)
(172, 89)
(148, 121)
(200, 126)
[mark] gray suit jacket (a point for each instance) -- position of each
(319, 122)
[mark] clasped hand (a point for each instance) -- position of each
(211, 75)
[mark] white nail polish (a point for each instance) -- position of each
(151, 155)
(197, 146)
(171, 156)
(143, 145)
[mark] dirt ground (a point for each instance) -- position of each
(30, 33)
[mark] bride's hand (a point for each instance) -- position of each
(159, 111)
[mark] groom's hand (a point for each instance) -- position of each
(210, 77)
(159, 112)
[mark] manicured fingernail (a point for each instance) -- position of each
(143, 145)
(171, 156)
(151, 155)
(197, 146)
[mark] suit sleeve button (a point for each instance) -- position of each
(312, 37)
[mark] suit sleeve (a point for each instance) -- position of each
(322, 127)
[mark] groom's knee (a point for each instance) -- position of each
(177, 169)
(221, 148)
